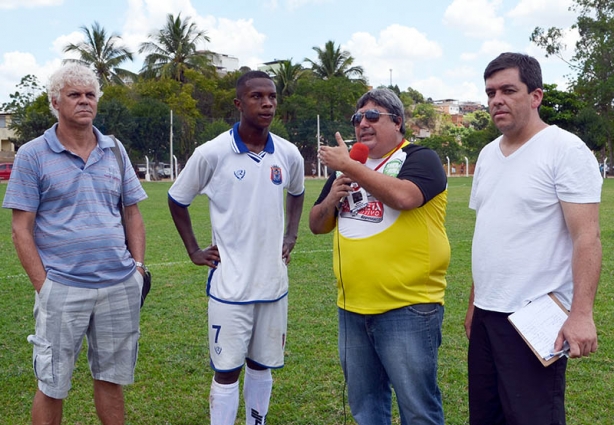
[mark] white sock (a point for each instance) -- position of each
(257, 388)
(223, 403)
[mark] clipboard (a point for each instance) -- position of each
(539, 323)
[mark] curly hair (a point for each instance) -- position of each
(71, 74)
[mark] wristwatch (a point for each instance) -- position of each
(141, 265)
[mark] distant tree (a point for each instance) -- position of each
(279, 128)
(29, 108)
(333, 62)
(446, 146)
(28, 89)
(395, 89)
(303, 133)
(114, 117)
(592, 59)
(476, 140)
(477, 120)
(174, 49)
(425, 115)
(103, 54)
(286, 79)
(415, 95)
(32, 121)
(592, 128)
(210, 130)
(151, 132)
(302, 104)
(560, 108)
(336, 97)
(203, 92)
(459, 132)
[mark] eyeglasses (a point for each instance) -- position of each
(372, 115)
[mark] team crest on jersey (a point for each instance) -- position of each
(276, 177)
(392, 168)
(218, 350)
(240, 174)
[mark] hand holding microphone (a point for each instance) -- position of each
(336, 157)
(360, 153)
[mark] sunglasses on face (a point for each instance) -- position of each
(372, 115)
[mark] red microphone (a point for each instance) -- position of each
(359, 152)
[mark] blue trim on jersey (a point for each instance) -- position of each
(258, 157)
(241, 367)
(239, 145)
(176, 202)
(285, 294)
(265, 366)
(210, 277)
(222, 370)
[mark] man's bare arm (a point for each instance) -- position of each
(579, 329)
(135, 232)
(22, 228)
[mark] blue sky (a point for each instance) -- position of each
(438, 47)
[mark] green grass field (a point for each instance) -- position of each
(173, 374)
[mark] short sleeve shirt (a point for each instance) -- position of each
(522, 248)
(246, 193)
(78, 230)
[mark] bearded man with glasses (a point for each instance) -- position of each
(390, 258)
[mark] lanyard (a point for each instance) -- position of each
(389, 156)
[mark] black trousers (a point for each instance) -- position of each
(507, 383)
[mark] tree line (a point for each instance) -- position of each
(177, 76)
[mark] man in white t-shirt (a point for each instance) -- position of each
(246, 173)
(536, 193)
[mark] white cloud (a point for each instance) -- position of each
(468, 56)
(397, 47)
(475, 18)
(29, 4)
(462, 71)
(236, 38)
(547, 13)
(271, 4)
(16, 65)
(146, 16)
(495, 47)
(296, 4)
(62, 41)
(489, 49)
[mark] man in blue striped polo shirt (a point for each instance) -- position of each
(87, 272)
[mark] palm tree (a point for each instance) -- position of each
(286, 78)
(103, 54)
(174, 49)
(332, 62)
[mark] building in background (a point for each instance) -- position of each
(271, 67)
(7, 148)
(223, 63)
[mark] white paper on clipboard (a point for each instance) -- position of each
(539, 323)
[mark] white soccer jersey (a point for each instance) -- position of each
(246, 194)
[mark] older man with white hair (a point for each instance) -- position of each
(85, 266)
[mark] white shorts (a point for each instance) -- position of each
(255, 331)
